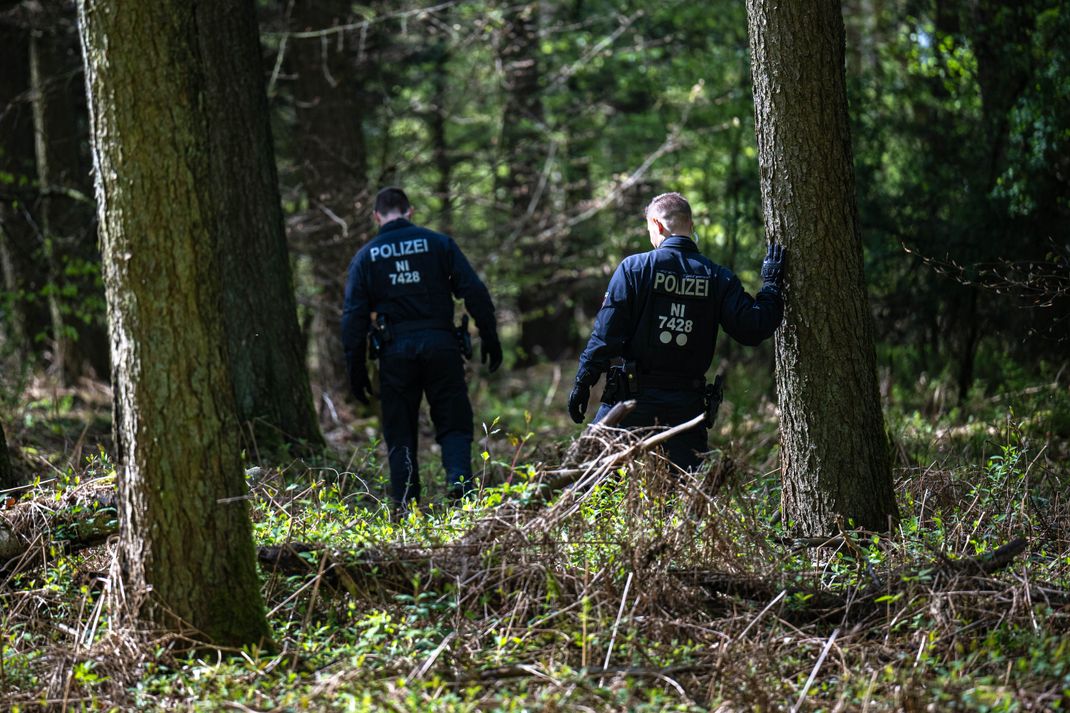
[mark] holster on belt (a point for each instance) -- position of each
(621, 383)
(714, 395)
(464, 339)
(378, 336)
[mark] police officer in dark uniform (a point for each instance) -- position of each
(659, 323)
(407, 276)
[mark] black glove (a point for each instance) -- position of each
(577, 401)
(491, 350)
(359, 383)
(773, 266)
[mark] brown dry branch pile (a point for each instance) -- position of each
(633, 572)
(78, 518)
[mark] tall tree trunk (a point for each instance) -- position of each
(999, 33)
(588, 292)
(185, 541)
(20, 245)
(834, 452)
(265, 345)
(969, 341)
(732, 200)
(333, 164)
(65, 212)
(522, 147)
(440, 147)
(7, 473)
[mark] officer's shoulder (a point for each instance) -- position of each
(433, 236)
(722, 271)
(362, 252)
(723, 274)
(715, 267)
(637, 261)
(717, 271)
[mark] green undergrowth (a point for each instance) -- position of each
(528, 620)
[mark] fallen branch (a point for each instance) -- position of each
(989, 562)
(810, 602)
(514, 518)
(83, 517)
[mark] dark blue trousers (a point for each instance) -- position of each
(413, 365)
(667, 408)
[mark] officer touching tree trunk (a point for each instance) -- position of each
(655, 335)
(408, 276)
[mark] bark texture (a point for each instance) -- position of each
(265, 345)
(834, 451)
(185, 530)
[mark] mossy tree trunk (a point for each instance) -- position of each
(265, 345)
(185, 537)
(834, 452)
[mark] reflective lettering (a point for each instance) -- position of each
(399, 249)
(671, 283)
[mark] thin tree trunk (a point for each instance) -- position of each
(265, 345)
(834, 451)
(20, 264)
(185, 538)
(970, 340)
(333, 165)
(42, 143)
(7, 473)
(65, 214)
(728, 349)
(733, 200)
(540, 309)
(437, 126)
(1000, 33)
(579, 297)
(1000, 38)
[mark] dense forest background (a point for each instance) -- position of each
(537, 132)
(586, 573)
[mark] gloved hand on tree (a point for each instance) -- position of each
(773, 266)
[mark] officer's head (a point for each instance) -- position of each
(391, 203)
(668, 214)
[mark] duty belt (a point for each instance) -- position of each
(415, 325)
(624, 382)
(670, 381)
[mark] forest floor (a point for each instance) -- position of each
(634, 589)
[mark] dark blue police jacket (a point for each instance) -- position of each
(663, 308)
(411, 275)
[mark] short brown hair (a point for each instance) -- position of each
(672, 209)
(391, 199)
